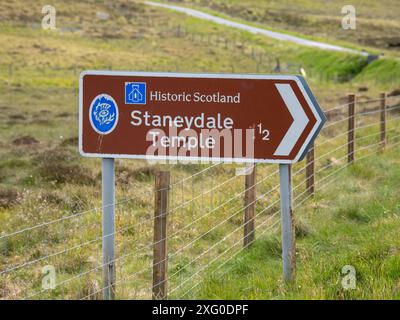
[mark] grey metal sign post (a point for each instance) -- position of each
(288, 236)
(108, 228)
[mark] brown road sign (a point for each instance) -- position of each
(243, 118)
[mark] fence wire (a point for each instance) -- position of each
(205, 222)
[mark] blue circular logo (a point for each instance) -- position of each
(103, 114)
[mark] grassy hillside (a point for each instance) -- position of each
(322, 65)
(353, 221)
(137, 37)
(43, 178)
(377, 22)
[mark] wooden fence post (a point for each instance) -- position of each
(249, 205)
(310, 170)
(160, 262)
(351, 128)
(383, 120)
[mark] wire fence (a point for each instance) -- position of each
(204, 220)
(259, 60)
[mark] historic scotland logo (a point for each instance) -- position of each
(103, 114)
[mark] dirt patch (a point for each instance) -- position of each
(25, 141)
(362, 89)
(51, 197)
(91, 291)
(73, 141)
(8, 198)
(334, 114)
(395, 92)
(63, 115)
(43, 122)
(60, 166)
(17, 117)
(125, 175)
(391, 43)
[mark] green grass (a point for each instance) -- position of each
(382, 71)
(328, 65)
(354, 221)
(55, 58)
(321, 64)
(377, 26)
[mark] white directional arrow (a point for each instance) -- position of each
(300, 120)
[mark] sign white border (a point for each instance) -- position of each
(309, 138)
